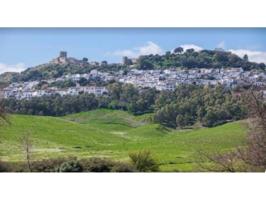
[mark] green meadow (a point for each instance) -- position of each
(114, 134)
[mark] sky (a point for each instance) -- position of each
(21, 48)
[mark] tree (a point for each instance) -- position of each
(178, 50)
(83, 81)
(3, 117)
(167, 115)
(190, 51)
(145, 64)
(183, 120)
(253, 156)
(245, 58)
(256, 150)
(167, 54)
(27, 147)
(2, 114)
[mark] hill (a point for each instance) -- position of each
(105, 133)
(178, 59)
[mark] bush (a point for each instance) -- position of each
(97, 165)
(71, 166)
(4, 167)
(123, 167)
(48, 165)
(143, 161)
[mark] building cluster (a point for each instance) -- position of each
(160, 79)
(27, 90)
(170, 78)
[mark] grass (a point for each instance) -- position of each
(108, 133)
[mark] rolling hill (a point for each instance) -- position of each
(113, 134)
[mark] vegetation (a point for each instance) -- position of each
(192, 59)
(63, 84)
(255, 154)
(112, 134)
(3, 117)
(55, 105)
(249, 158)
(7, 77)
(70, 166)
(27, 148)
(186, 106)
(49, 71)
(98, 165)
(123, 167)
(143, 161)
(191, 104)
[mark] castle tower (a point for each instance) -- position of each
(63, 54)
(85, 60)
(127, 61)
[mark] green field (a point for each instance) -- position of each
(113, 134)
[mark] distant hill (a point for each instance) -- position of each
(189, 59)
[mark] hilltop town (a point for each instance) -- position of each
(166, 79)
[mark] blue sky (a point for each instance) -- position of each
(22, 48)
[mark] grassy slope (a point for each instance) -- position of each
(115, 134)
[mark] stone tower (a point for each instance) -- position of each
(63, 54)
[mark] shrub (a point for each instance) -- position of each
(143, 161)
(123, 167)
(48, 165)
(4, 167)
(97, 165)
(70, 166)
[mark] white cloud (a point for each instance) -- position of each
(191, 46)
(148, 48)
(221, 45)
(126, 52)
(12, 68)
(254, 56)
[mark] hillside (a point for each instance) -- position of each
(114, 134)
(51, 70)
(8, 77)
(188, 59)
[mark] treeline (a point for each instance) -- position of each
(121, 97)
(187, 105)
(54, 105)
(191, 104)
(64, 84)
(197, 59)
